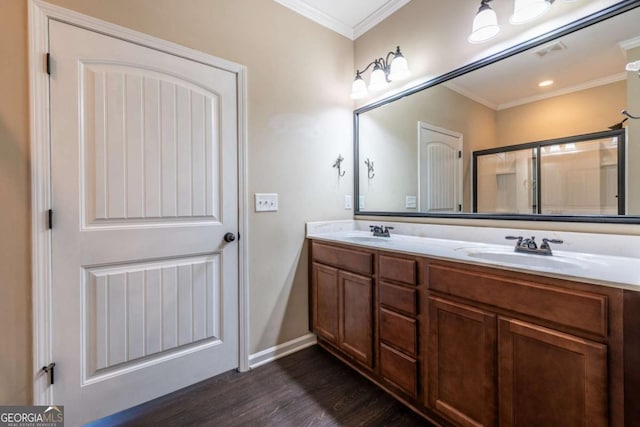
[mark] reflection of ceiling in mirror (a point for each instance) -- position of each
(587, 58)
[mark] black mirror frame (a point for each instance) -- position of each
(585, 22)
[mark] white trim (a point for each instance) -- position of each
(630, 44)
(319, 17)
(468, 94)
(281, 350)
(39, 14)
(383, 12)
(565, 91)
(388, 9)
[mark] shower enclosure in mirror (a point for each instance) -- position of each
(422, 140)
(581, 175)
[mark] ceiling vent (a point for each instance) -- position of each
(554, 47)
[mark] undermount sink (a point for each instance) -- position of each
(523, 260)
(368, 239)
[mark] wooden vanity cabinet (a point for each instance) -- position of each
(469, 345)
(506, 349)
(398, 323)
(461, 363)
(342, 300)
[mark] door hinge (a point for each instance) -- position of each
(47, 63)
(49, 370)
(50, 219)
(459, 154)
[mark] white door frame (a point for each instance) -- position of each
(40, 13)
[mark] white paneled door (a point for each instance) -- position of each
(439, 169)
(144, 188)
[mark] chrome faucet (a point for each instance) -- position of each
(380, 230)
(529, 245)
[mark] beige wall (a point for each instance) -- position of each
(15, 222)
(299, 78)
(586, 111)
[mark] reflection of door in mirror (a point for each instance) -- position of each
(439, 169)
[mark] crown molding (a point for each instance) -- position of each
(567, 90)
(630, 44)
(303, 8)
(317, 16)
(378, 16)
(468, 94)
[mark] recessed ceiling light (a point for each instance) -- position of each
(545, 83)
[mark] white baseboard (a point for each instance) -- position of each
(281, 350)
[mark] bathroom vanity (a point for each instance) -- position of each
(469, 342)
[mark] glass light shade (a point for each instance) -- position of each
(633, 66)
(528, 10)
(378, 79)
(358, 88)
(399, 68)
(485, 25)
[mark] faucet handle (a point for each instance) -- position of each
(519, 238)
(388, 228)
(556, 241)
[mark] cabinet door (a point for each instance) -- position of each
(548, 378)
(356, 316)
(325, 302)
(461, 360)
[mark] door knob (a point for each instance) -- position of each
(229, 237)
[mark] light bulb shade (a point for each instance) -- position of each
(399, 68)
(378, 79)
(633, 66)
(528, 10)
(358, 88)
(485, 25)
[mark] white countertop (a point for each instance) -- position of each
(596, 268)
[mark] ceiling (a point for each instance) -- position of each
(351, 18)
(590, 57)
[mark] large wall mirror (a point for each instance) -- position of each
(415, 150)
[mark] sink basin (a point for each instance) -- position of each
(368, 239)
(523, 260)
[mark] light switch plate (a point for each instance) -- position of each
(411, 202)
(266, 202)
(347, 201)
(361, 202)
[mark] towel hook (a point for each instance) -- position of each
(631, 116)
(337, 163)
(369, 164)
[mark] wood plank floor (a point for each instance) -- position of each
(307, 388)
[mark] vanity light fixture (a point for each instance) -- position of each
(528, 10)
(485, 24)
(385, 70)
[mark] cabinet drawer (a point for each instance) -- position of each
(345, 259)
(399, 369)
(398, 297)
(398, 330)
(575, 309)
(398, 269)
